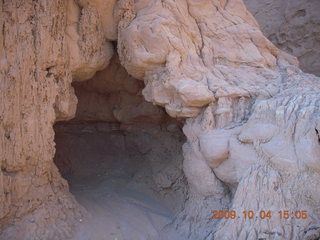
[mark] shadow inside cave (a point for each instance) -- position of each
(125, 169)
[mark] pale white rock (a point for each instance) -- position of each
(194, 94)
(202, 44)
(218, 45)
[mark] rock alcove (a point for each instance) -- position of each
(122, 157)
(250, 118)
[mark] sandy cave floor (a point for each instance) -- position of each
(125, 188)
(118, 212)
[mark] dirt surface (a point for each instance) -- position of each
(130, 182)
(118, 212)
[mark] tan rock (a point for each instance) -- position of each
(292, 26)
(250, 115)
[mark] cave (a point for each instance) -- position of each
(131, 120)
(122, 158)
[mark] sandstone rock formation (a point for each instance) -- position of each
(293, 26)
(111, 104)
(44, 46)
(123, 156)
(240, 81)
(251, 116)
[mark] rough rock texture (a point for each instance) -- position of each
(184, 65)
(112, 112)
(251, 115)
(293, 26)
(208, 61)
(38, 61)
(114, 96)
(119, 174)
(121, 154)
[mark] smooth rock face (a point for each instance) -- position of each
(293, 26)
(251, 116)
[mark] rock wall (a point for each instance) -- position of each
(114, 127)
(293, 26)
(245, 101)
(44, 46)
(204, 61)
(122, 157)
(112, 95)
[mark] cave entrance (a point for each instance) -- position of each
(121, 157)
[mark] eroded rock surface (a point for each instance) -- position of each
(122, 157)
(251, 115)
(217, 47)
(38, 61)
(293, 26)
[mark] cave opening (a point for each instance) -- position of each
(122, 157)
